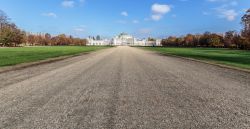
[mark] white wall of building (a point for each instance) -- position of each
(92, 42)
(123, 39)
(157, 42)
(139, 42)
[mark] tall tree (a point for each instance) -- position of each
(204, 39)
(4, 20)
(11, 36)
(246, 23)
(246, 30)
(229, 39)
(31, 39)
(47, 37)
(189, 40)
(215, 40)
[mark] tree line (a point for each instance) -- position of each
(12, 36)
(230, 39)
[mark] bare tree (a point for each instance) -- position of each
(229, 38)
(246, 23)
(4, 20)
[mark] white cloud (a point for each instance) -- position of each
(147, 19)
(156, 17)
(217, 0)
(174, 15)
(121, 22)
(244, 10)
(234, 3)
(80, 28)
(68, 3)
(50, 15)
(225, 3)
(205, 13)
(226, 9)
(124, 13)
(81, 1)
(159, 10)
(230, 14)
(210, 0)
(135, 21)
(144, 31)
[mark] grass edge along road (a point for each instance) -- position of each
(228, 57)
(14, 56)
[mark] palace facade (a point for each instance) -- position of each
(124, 39)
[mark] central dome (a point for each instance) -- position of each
(125, 36)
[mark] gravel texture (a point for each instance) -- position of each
(125, 88)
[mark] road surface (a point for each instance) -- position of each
(125, 88)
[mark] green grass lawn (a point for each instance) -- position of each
(236, 58)
(13, 56)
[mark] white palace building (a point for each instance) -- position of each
(123, 40)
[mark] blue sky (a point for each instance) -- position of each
(142, 18)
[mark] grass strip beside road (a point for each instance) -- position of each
(229, 57)
(14, 56)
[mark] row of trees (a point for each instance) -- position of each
(230, 39)
(48, 40)
(11, 35)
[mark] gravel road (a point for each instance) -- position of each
(125, 88)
